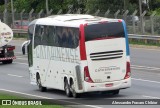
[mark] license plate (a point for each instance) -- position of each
(109, 85)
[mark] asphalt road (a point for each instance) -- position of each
(14, 78)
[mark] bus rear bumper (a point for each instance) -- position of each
(107, 86)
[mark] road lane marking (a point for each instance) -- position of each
(21, 63)
(145, 67)
(15, 75)
(146, 49)
(43, 97)
(21, 58)
(151, 97)
(146, 80)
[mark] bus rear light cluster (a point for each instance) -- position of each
(87, 77)
(128, 70)
(120, 20)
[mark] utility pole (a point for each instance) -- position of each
(140, 14)
(5, 14)
(12, 12)
(140, 7)
(5, 4)
(47, 10)
(124, 5)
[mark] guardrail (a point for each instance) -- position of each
(131, 36)
(19, 31)
(144, 37)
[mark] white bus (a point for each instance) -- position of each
(78, 54)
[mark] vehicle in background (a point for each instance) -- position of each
(79, 53)
(6, 51)
(21, 24)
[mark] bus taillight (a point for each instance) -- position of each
(87, 77)
(128, 70)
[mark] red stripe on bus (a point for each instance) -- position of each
(82, 44)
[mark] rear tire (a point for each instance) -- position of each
(7, 61)
(74, 94)
(67, 88)
(41, 88)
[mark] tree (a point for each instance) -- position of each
(113, 5)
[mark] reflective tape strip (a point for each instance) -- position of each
(8, 58)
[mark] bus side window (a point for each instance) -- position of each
(51, 36)
(37, 38)
(75, 38)
(59, 36)
(45, 35)
(30, 31)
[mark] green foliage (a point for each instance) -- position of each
(22, 4)
(92, 5)
(113, 5)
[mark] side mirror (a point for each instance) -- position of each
(24, 44)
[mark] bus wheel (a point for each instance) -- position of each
(41, 88)
(74, 94)
(67, 88)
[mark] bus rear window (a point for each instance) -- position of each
(104, 30)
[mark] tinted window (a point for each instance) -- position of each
(30, 31)
(29, 47)
(104, 30)
(67, 37)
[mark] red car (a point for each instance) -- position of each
(18, 24)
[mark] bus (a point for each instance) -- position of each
(79, 54)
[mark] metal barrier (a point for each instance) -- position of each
(19, 31)
(144, 37)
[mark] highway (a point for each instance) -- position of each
(145, 68)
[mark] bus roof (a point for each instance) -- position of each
(72, 20)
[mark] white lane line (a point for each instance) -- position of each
(15, 75)
(43, 97)
(146, 49)
(21, 58)
(151, 97)
(146, 80)
(21, 63)
(145, 67)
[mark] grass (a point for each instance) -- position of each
(4, 96)
(20, 36)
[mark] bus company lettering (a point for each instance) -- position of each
(56, 53)
(106, 69)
